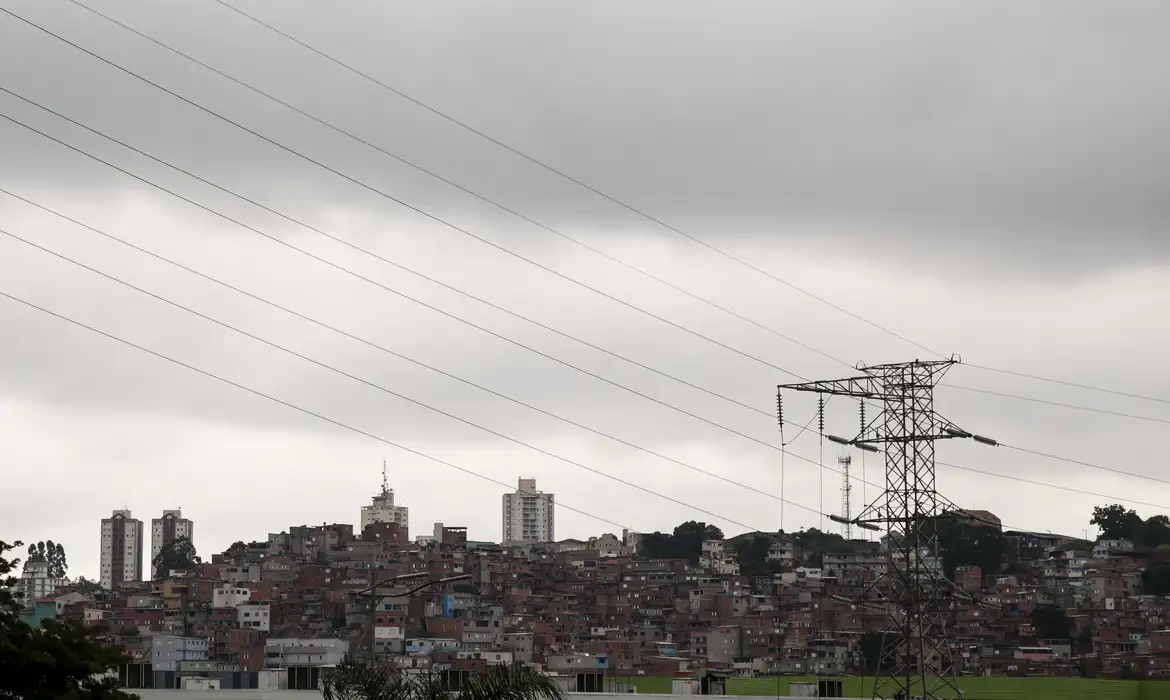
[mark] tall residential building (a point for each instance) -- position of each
(383, 510)
(35, 582)
(528, 514)
(171, 526)
(122, 545)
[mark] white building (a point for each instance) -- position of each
(383, 510)
(171, 526)
(255, 616)
(230, 596)
(35, 583)
(122, 545)
(528, 515)
(167, 651)
(281, 653)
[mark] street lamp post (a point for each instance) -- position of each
(372, 592)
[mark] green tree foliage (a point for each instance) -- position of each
(53, 554)
(686, 542)
(751, 552)
(85, 585)
(57, 661)
(1116, 522)
(966, 543)
(237, 548)
(1156, 579)
(176, 555)
(354, 681)
(1050, 622)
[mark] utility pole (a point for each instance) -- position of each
(916, 658)
(374, 595)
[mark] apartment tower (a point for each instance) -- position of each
(528, 515)
(383, 510)
(171, 526)
(122, 545)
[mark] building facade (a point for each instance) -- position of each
(528, 515)
(171, 526)
(383, 510)
(122, 545)
(35, 582)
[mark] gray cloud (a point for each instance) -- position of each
(981, 181)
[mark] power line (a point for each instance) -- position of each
(1046, 402)
(373, 344)
(403, 203)
(570, 178)
(1070, 489)
(1077, 385)
(403, 295)
(643, 214)
(341, 241)
(306, 411)
(477, 195)
(1085, 464)
(400, 294)
(340, 424)
(424, 304)
(370, 384)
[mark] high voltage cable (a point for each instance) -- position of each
(373, 385)
(1077, 385)
(477, 195)
(377, 346)
(601, 378)
(306, 411)
(570, 178)
(356, 275)
(1046, 402)
(331, 421)
(407, 205)
(1052, 486)
(643, 214)
(1085, 464)
(348, 244)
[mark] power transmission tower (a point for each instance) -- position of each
(916, 658)
(844, 461)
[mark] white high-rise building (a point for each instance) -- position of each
(383, 510)
(528, 514)
(171, 526)
(122, 545)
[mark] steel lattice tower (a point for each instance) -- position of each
(916, 658)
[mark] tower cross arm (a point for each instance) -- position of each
(860, 387)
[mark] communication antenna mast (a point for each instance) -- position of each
(916, 659)
(846, 509)
(385, 483)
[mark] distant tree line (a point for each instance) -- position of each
(53, 554)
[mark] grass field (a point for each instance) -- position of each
(974, 688)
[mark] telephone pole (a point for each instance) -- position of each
(916, 658)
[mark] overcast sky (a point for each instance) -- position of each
(986, 179)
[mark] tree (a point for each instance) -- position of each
(1154, 532)
(1050, 622)
(686, 542)
(52, 554)
(355, 681)
(176, 555)
(85, 585)
(237, 548)
(58, 661)
(1116, 522)
(1156, 579)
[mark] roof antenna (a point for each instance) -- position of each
(385, 484)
